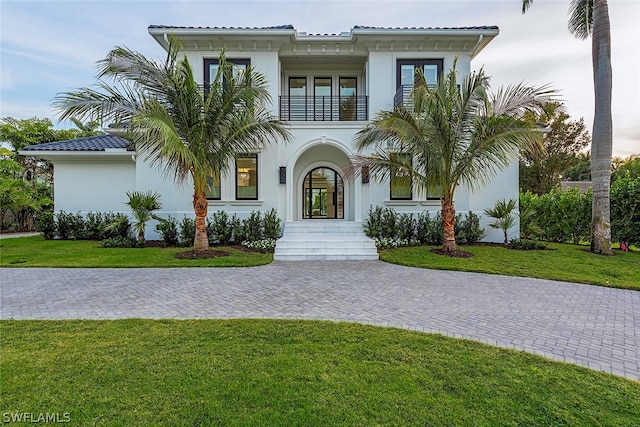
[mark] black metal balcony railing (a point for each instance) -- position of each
(324, 108)
(402, 95)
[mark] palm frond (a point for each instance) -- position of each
(581, 18)
(526, 4)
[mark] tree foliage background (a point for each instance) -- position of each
(542, 170)
(26, 182)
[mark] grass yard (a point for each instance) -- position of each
(569, 263)
(37, 252)
(278, 372)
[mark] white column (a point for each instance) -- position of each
(357, 199)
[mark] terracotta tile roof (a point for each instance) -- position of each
(90, 143)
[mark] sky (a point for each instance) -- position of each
(48, 47)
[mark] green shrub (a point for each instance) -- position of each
(237, 230)
(116, 225)
(187, 231)
(625, 210)
(122, 242)
(373, 223)
(469, 229)
(94, 226)
(253, 227)
(47, 225)
(218, 229)
(168, 229)
(406, 227)
(272, 225)
(70, 226)
(429, 231)
(561, 216)
(389, 223)
(525, 244)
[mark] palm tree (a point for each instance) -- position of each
(504, 216)
(191, 133)
(591, 18)
(143, 205)
(450, 135)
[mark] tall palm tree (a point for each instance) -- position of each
(591, 18)
(450, 135)
(190, 132)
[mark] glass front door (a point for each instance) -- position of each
(323, 195)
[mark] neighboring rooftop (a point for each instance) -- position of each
(90, 143)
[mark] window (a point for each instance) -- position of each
(400, 182)
(435, 192)
(348, 105)
(211, 68)
(297, 98)
(322, 98)
(212, 192)
(247, 177)
(406, 71)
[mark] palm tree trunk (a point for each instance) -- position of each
(448, 223)
(200, 206)
(601, 145)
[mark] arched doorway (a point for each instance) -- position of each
(323, 194)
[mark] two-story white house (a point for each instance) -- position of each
(326, 87)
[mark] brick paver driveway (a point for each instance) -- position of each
(588, 325)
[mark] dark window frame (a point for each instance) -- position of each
(391, 173)
(346, 115)
(417, 63)
(219, 189)
(211, 61)
(248, 156)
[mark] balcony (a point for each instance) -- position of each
(324, 108)
(402, 95)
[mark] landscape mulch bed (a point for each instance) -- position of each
(454, 254)
(206, 254)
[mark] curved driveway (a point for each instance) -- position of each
(591, 326)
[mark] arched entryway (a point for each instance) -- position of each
(323, 194)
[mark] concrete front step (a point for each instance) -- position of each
(324, 240)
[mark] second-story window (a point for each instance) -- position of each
(407, 72)
(322, 98)
(348, 98)
(211, 68)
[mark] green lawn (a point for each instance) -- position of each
(562, 262)
(37, 252)
(277, 373)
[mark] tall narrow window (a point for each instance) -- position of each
(212, 191)
(322, 98)
(348, 104)
(247, 177)
(297, 98)
(400, 182)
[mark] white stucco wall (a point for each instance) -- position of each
(314, 144)
(93, 187)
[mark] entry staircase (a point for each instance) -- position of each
(324, 239)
